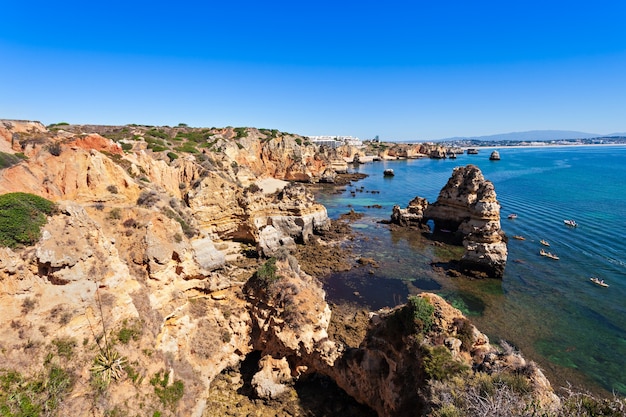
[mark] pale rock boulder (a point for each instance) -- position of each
(269, 381)
(207, 255)
(271, 241)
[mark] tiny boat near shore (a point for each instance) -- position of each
(518, 237)
(512, 216)
(570, 223)
(599, 282)
(548, 255)
(544, 242)
(388, 173)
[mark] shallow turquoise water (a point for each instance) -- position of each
(575, 330)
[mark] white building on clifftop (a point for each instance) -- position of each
(335, 141)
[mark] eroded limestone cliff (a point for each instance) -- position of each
(145, 284)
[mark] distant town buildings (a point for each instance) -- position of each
(335, 141)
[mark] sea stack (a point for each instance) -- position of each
(495, 156)
(468, 204)
(468, 211)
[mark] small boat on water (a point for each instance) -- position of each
(518, 237)
(512, 216)
(570, 223)
(544, 242)
(548, 255)
(599, 282)
(388, 173)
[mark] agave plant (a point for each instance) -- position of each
(108, 365)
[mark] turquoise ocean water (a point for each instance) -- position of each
(575, 330)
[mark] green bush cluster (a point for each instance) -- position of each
(421, 313)
(21, 218)
(440, 365)
(129, 331)
(7, 160)
(416, 316)
(33, 397)
(157, 133)
(270, 133)
(197, 136)
(65, 346)
(242, 132)
(266, 274)
(168, 394)
(187, 147)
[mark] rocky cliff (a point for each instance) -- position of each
(152, 277)
(402, 349)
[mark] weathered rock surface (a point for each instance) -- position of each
(149, 245)
(468, 204)
(467, 210)
(412, 215)
(386, 371)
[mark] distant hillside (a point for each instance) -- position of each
(532, 135)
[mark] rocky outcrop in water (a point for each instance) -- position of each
(467, 204)
(412, 215)
(468, 211)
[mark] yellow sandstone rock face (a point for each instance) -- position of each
(133, 250)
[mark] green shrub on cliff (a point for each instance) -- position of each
(8, 160)
(242, 132)
(416, 316)
(35, 396)
(266, 274)
(440, 365)
(169, 394)
(422, 313)
(21, 217)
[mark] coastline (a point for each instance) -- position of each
(437, 275)
(582, 145)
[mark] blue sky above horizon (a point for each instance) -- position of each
(403, 70)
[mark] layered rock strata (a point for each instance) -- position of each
(144, 258)
(467, 210)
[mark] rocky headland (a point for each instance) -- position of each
(169, 262)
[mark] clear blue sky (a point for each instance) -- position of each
(403, 70)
